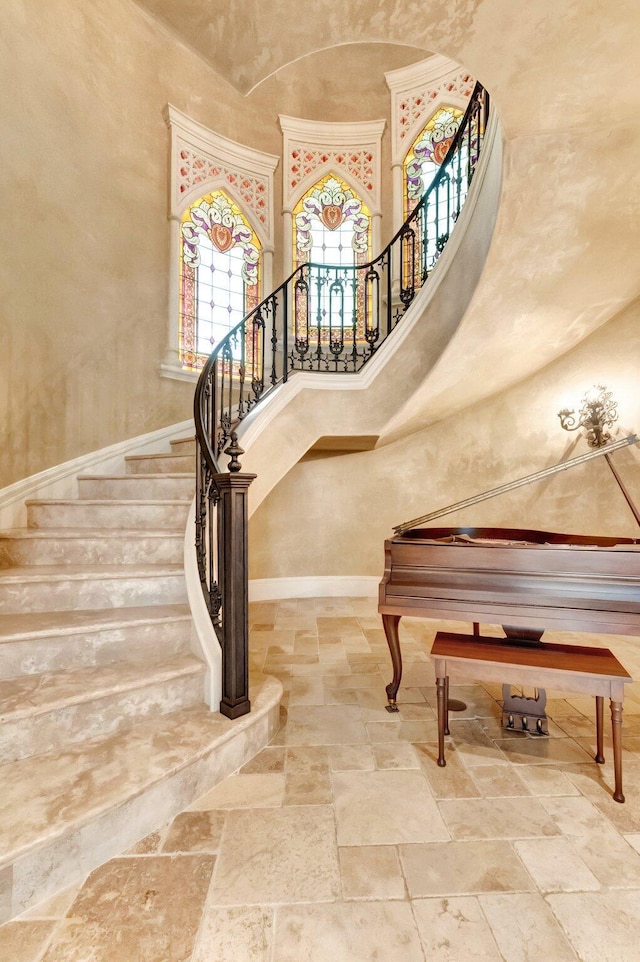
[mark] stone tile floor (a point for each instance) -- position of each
(344, 842)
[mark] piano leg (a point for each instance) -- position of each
(599, 724)
(390, 624)
(616, 724)
(442, 689)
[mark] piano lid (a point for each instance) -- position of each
(407, 526)
(512, 537)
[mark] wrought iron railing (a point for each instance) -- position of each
(322, 318)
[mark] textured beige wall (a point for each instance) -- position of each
(330, 517)
(83, 149)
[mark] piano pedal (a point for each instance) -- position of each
(522, 714)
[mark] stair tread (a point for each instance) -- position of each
(85, 572)
(45, 796)
(158, 476)
(35, 624)
(72, 533)
(124, 502)
(156, 456)
(28, 695)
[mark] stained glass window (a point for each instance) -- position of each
(427, 152)
(220, 275)
(332, 226)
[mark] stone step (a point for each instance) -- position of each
(184, 446)
(75, 546)
(68, 587)
(160, 464)
(43, 713)
(107, 514)
(136, 486)
(64, 813)
(48, 641)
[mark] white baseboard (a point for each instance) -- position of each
(331, 586)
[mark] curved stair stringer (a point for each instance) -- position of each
(283, 427)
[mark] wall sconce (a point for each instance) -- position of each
(598, 412)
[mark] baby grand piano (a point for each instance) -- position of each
(527, 581)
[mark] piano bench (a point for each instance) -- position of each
(571, 668)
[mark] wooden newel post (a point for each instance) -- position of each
(233, 567)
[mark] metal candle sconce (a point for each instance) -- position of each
(598, 412)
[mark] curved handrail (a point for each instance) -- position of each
(321, 318)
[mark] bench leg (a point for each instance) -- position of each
(441, 688)
(599, 724)
(446, 706)
(616, 724)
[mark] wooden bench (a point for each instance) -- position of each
(572, 668)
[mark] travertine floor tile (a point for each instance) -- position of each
(543, 751)
(277, 855)
(525, 928)
(472, 743)
(544, 780)
(495, 781)
(496, 818)
(24, 941)
(267, 762)
(346, 932)
(575, 815)
(385, 808)
(455, 928)
(351, 758)
(195, 832)
(452, 781)
(243, 791)
(135, 910)
(555, 866)
(602, 926)
(460, 868)
(323, 725)
(371, 872)
(306, 691)
(311, 789)
(235, 934)
(395, 755)
(312, 760)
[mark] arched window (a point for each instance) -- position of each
(427, 152)
(220, 275)
(332, 226)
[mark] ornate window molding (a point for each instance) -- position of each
(417, 93)
(312, 150)
(203, 162)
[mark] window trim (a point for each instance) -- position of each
(203, 161)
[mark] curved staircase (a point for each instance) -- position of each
(104, 734)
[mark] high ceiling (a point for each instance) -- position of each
(246, 41)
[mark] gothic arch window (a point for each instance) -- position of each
(428, 150)
(332, 226)
(221, 229)
(220, 274)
